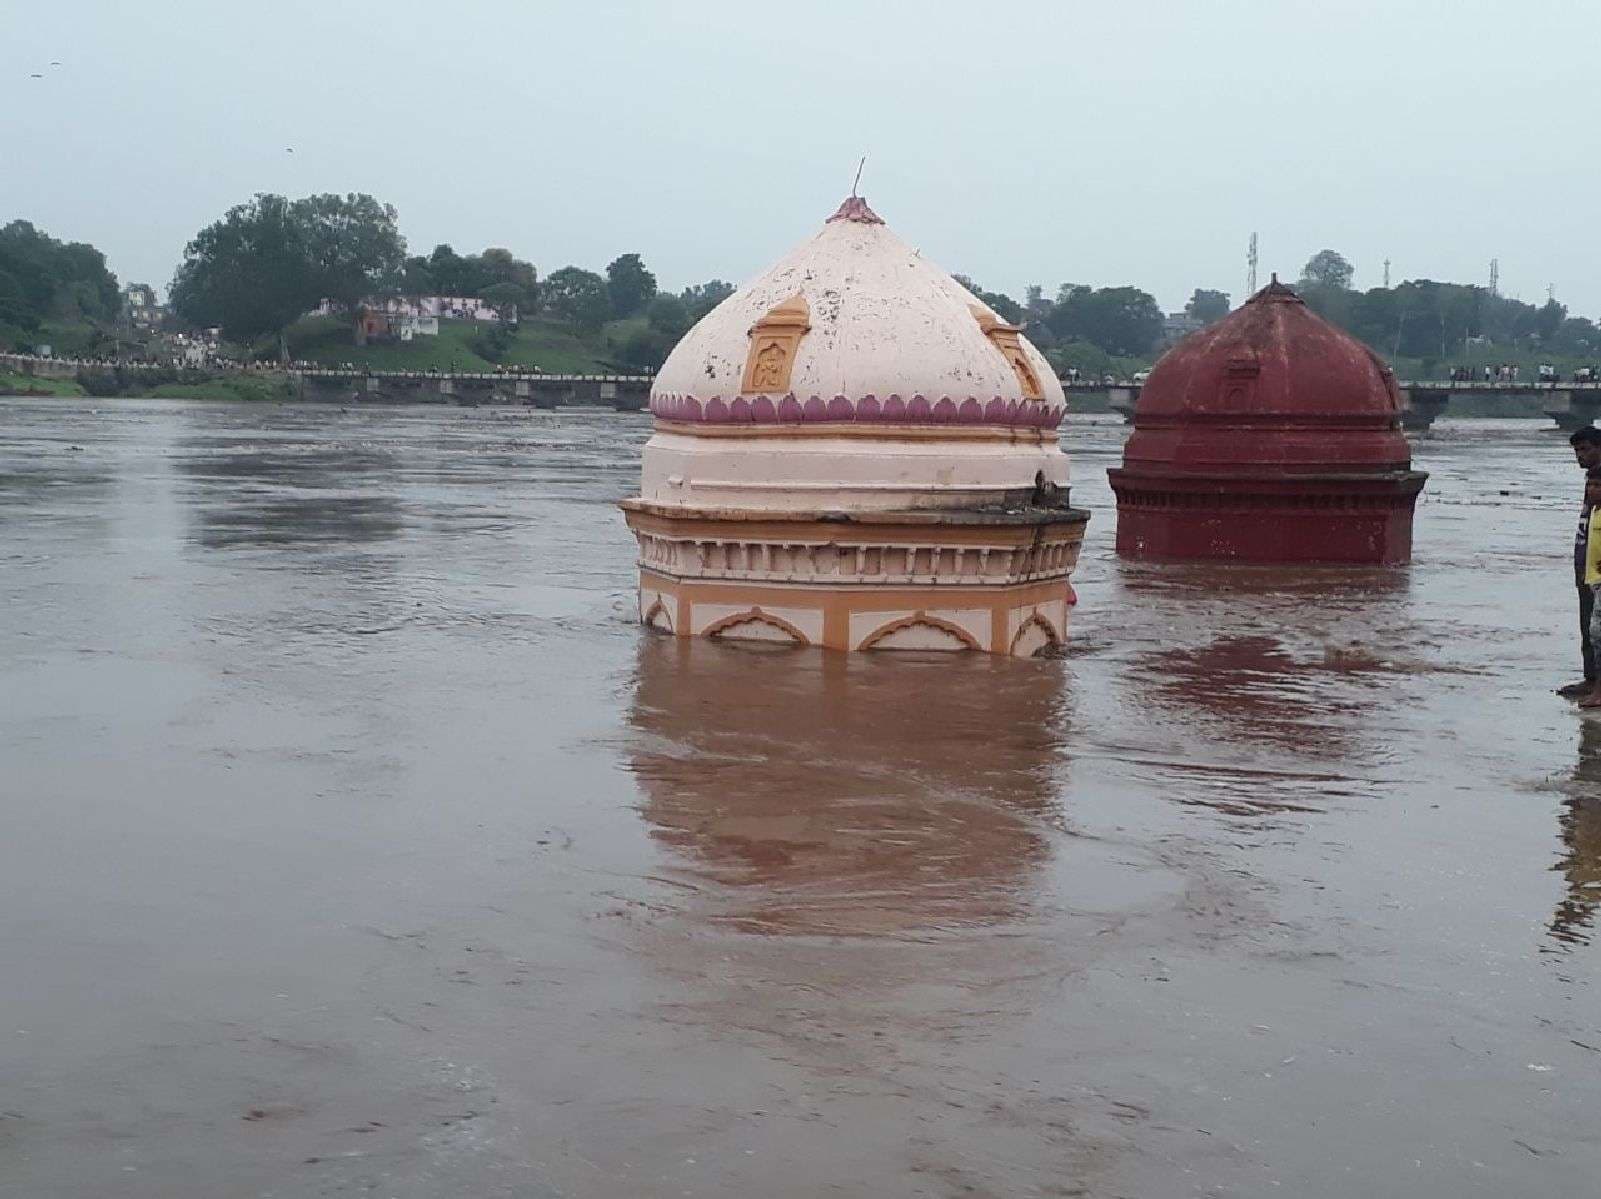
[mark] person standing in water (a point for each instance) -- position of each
(1586, 444)
(1592, 575)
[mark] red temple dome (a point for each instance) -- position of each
(1271, 436)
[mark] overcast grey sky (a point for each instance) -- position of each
(1021, 142)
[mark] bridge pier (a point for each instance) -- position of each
(1572, 410)
(1420, 409)
(628, 395)
(546, 394)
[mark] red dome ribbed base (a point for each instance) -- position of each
(1320, 520)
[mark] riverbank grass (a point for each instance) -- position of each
(250, 388)
(14, 384)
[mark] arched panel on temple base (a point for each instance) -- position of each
(1035, 637)
(756, 625)
(920, 631)
(655, 612)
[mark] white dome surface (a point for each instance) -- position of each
(884, 321)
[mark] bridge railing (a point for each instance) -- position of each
(357, 372)
(27, 362)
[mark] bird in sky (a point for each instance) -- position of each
(35, 75)
(289, 149)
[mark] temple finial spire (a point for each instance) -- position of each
(855, 209)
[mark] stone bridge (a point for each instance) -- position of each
(625, 393)
(1571, 405)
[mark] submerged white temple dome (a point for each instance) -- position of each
(854, 375)
(853, 452)
(883, 321)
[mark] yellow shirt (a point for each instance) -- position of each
(1592, 549)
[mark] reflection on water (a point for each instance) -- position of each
(1253, 688)
(860, 795)
(289, 491)
(1580, 823)
(1258, 685)
(334, 519)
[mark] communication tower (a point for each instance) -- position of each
(1386, 274)
(1250, 259)
(1495, 276)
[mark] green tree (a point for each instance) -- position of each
(250, 273)
(666, 320)
(1577, 335)
(16, 316)
(628, 285)
(415, 278)
(43, 279)
(1035, 305)
(1207, 305)
(504, 298)
(501, 266)
(493, 342)
(1008, 309)
(703, 297)
(452, 274)
(578, 297)
(1122, 321)
(1090, 360)
(1334, 304)
(353, 245)
(645, 349)
(1327, 269)
(1548, 319)
(668, 315)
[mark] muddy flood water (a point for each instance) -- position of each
(358, 842)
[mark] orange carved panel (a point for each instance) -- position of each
(1004, 338)
(773, 342)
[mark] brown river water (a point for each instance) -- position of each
(357, 842)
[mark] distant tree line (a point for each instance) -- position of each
(42, 279)
(1082, 326)
(265, 263)
(1439, 322)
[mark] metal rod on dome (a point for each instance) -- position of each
(856, 181)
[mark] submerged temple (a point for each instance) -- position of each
(853, 451)
(1271, 436)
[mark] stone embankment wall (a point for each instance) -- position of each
(622, 392)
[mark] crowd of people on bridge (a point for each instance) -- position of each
(1507, 374)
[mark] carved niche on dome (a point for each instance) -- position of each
(1004, 338)
(1239, 378)
(773, 342)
